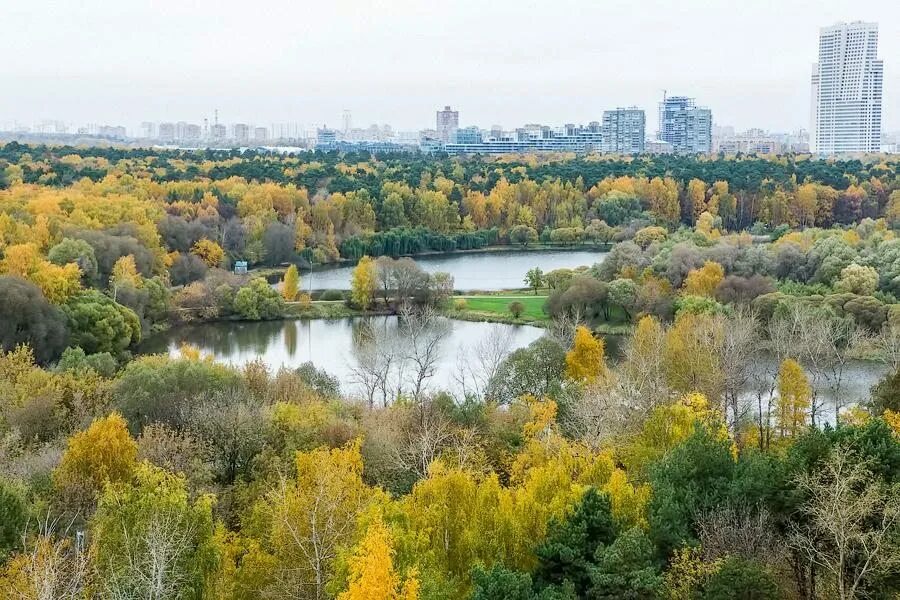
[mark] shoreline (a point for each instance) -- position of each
(267, 272)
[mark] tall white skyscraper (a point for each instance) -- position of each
(846, 90)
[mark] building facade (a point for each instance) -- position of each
(530, 138)
(687, 127)
(447, 122)
(847, 89)
(624, 130)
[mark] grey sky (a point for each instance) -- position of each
(397, 61)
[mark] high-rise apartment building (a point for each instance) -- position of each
(846, 90)
(241, 132)
(684, 125)
(623, 130)
(217, 131)
(447, 123)
(167, 132)
(260, 134)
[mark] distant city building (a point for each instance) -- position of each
(467, 135)
(752, 141)
(623, 130)
(326, 137)
(148, 130)
(116, 132)
(658, 147)
(260, 134)
(347, 119)
(758, 141)
(192, 132)
(167, 132)
(218, 131)
(847, 89)
(447, 122)
(530, 138)
(241, 132)
(684, 125)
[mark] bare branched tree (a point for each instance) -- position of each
(426, 435)
(603, 411)
(153, 561)
(747, 532)
(887, 343)
(53, 567)
(852, 524)
(424, 331)
(740, 347)
(477, 365)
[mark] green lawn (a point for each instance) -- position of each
(500, 305)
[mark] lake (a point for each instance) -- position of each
(473, 271)
(334, 345)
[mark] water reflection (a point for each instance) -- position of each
(465, 354)
(332, 344)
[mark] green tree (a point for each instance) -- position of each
(159, 388)
(857, 279)
(567, 555)
(523, 235)
(79, 252)
(258, 301)
(626, 569)
(99, 324)
(624, 293)
(693, 477)
(739, 579)
(26, 317)
(13, 517)
(516, 308)
(534, 279)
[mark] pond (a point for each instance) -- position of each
(464, 353)
(334, 345)
(473, 271)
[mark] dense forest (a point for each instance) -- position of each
(718, 453)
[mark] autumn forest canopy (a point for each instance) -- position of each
(718, 452)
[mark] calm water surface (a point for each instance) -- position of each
(331, 344)
(477, 271)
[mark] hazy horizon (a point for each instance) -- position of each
(398, 62)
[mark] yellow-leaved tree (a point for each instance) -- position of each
(794, 398)
(310, 518)
(58, 283)
(372, 572)
(703, 281)
(290, 284)
(103, 453)
(585, 362)
(364, 282)
(209, 252)
(124, 273)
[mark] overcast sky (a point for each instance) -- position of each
(507, 62)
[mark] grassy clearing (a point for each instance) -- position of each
(499, 305)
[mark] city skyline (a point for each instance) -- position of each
(304, 69)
